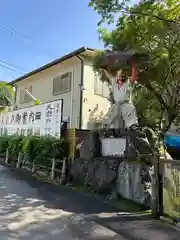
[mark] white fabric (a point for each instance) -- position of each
(129, 114)
(122, 94)
(123, 108)
(125, 111)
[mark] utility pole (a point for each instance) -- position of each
(155, 187)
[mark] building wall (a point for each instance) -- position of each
(42, 88)
(90, 99)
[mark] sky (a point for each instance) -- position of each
(57, 26)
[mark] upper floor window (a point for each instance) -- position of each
(100, 88)
(24, 96)
(62, 84)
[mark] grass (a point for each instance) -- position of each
(129, 206)
(124, 205)
(171, 205)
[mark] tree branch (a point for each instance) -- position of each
(127, 11)
(154, 16)
(157, 95)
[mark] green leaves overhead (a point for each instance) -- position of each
(153, 26)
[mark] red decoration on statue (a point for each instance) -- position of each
(134, 73)
(119, 82)
(133, 77)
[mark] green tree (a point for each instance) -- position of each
(6, 95)
(151, 26)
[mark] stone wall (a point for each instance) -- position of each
(134, 182)
(99, 174)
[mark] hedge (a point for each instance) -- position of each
(34, 148)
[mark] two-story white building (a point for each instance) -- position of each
(70, 78)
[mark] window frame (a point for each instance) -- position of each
(102, 94)
(69, 83)
(25, 98)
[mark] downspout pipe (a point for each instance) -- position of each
(81, 90)
(15, 97)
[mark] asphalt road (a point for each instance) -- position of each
(33, 210)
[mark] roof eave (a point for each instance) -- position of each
(59, 60)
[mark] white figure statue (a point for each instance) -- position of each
(123, 108)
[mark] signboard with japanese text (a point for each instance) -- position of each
(44, 119)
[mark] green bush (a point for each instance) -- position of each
(15, 145)
(38, 149)
(3, 144)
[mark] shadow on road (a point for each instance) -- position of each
(30, 209)
(61, 197)
(139, 226)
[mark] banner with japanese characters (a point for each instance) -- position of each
(44, 119)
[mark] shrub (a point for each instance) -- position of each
(38, 149)
(3, 144)
(15, 145)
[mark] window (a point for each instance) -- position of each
(62, 83)
(27, 98)
(24, 96)
(101, 88)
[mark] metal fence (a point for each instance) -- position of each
(171, 188)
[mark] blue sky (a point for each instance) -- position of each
(58, 26)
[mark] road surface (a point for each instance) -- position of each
(33, 210)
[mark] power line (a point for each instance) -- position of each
(25, 40)
(11, 68)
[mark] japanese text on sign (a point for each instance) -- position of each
(43, 119)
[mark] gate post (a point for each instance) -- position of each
(155, 188)
(160, 193)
